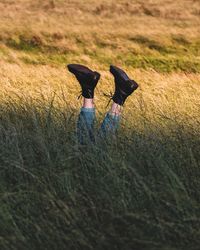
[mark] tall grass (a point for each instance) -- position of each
(139, 190)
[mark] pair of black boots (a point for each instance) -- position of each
(88, 80)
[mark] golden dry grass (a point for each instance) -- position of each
(92, 32)
(174, 92)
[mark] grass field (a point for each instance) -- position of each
(140, 191)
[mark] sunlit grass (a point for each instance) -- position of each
(141, 52)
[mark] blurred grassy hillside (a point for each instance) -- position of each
(163, 35)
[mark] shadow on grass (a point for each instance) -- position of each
(181, 55)
(139, 190)
(164, 64)
(151, 44)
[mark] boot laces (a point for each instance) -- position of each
(110, 96)
(80, 95)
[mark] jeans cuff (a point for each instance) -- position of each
(113, 117)
(87, 109)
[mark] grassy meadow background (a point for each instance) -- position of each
(142, 189)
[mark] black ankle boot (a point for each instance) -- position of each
(124, 86)
(87, 78)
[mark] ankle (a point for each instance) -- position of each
(115, 109)
(88, 103)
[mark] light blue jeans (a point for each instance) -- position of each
(86, 122)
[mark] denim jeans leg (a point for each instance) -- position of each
(109, 125)
(85, 125)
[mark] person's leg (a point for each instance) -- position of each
(85, 123)
(88, 80)
(124, 87)
(111, 120)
